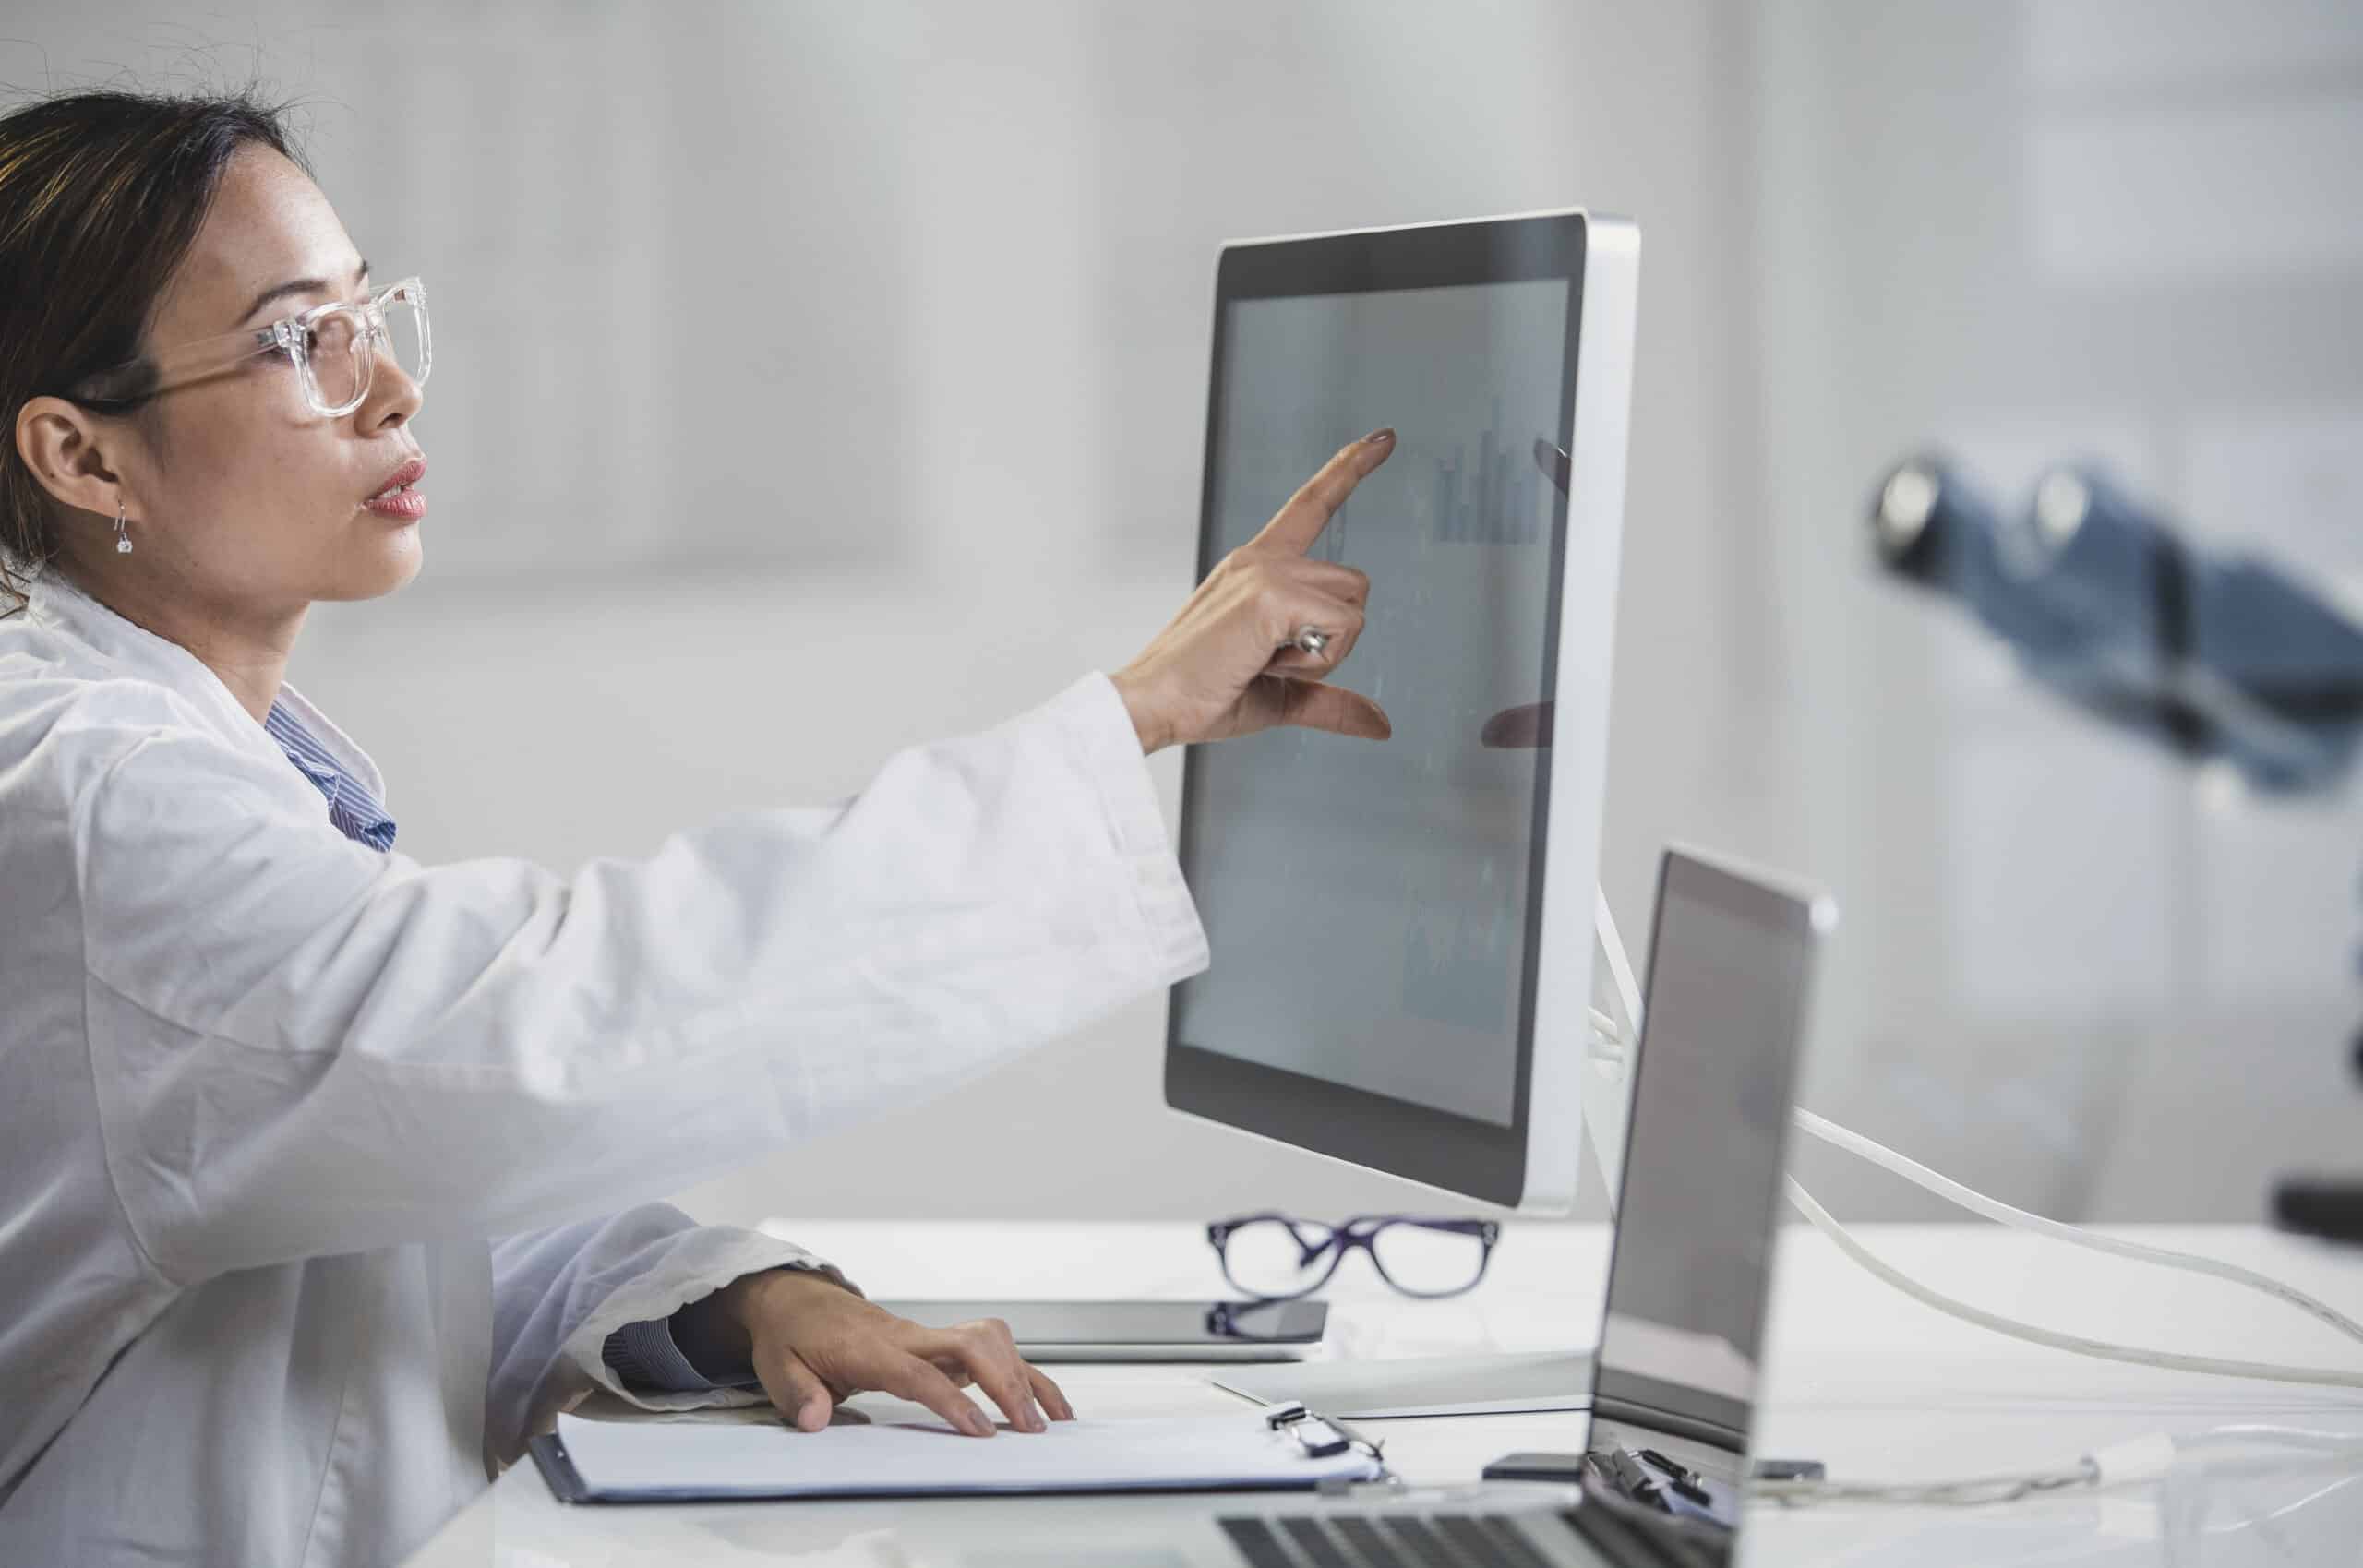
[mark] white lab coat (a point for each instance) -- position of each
(304, 1148)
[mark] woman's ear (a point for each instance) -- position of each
(65, 445)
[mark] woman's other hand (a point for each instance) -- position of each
(813, 1343)
(1225, 667)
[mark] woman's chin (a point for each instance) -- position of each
(390, 562)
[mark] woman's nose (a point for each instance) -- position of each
(393, 395)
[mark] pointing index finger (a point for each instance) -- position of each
(1295, 526)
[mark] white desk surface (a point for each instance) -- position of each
(1858, 1375)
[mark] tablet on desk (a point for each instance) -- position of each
(1140, 1330)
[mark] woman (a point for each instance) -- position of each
(311, 1155)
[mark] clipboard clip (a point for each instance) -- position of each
(1319, 1437)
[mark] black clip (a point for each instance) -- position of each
(1319, 1437)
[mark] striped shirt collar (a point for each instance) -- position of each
(354, 806)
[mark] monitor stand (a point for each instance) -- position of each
(1491, 1383)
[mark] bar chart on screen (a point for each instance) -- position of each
(1495, 499)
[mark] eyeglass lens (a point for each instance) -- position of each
(340, 354)
(1266, 1257)
(1421, 1261)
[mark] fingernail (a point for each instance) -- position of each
(1379, 436)
(979, 1424)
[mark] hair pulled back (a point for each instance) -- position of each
(102, 194)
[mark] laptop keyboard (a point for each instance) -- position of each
(1451, 1540)
(1384, 1540)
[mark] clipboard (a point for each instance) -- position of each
(1286, 1448)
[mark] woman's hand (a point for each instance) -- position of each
(814, 1342)
(1214, 673)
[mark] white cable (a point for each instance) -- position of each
(1609, 1042)
(2175, 1536)
(1608, 946)
(2141, 1461)
(1608, 1034)
(2251, 1434)
(2138, 1462)
(1974, 1492)
(2001, 1213)
(2172, 1360)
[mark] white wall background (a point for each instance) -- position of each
(815, 378)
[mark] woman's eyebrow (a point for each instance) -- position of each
(300, 286)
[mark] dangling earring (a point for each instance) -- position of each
(122, 539)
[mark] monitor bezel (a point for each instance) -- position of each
(1491, 1162)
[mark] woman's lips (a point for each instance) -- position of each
(408, 506)
(399, 497)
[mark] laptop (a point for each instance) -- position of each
(1731, 961)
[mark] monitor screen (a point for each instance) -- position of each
(1370, 906)
(1729, 966)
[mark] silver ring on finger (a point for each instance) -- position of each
(1309, 639)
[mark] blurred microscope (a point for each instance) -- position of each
(2225, 663)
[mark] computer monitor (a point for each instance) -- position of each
(1401, 930)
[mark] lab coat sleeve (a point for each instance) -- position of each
(559, 1293)
(301, 1046)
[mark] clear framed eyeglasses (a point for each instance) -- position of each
(1276, 1257)
(334, 349)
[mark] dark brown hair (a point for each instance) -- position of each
(100, 196)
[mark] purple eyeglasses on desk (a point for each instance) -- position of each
(1276, 1257)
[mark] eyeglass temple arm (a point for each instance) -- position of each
(1615, 1020)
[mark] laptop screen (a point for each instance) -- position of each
(1729, 963)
